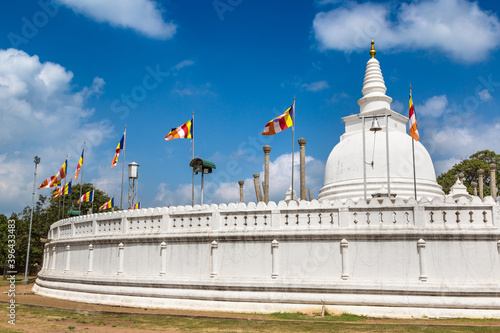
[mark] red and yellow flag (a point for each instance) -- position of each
(413, 121)
(117, 151)
(184, 131)
(280, 123)
(79, 165)
(55, 180)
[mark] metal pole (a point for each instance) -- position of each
(202, 173)
(414, 172)
(293, 145)
(364, 159)
(63, 188)
(123, 163)
(387, 151)
(25, 280)
(192, 174)
(81, 180)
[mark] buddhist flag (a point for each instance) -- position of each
(413, 121)
(184, 131)
(55, 180)
(136, 206)
(117, 151)
(79, 165)
(57, 192)
(87, 197)
(280, 123)
(107, 205)
(66, 189)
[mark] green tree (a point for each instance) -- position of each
(469, 167)
(45, 213)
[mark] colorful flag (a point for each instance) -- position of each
(57, 192)
(413, 121)
(79, 165)
(280, 123)
(66, 189)
(55, 180)
(136, 206)
(117, 151)
(184, 131)
(87, 197)
(107, 205)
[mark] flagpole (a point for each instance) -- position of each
(81, 180)
(25, 280)
(293, 145)
(123, 163)
(192, 173)
(413, 154)
(65, 176)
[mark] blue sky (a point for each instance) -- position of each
(81, 70)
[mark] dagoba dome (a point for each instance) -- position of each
(346, 176)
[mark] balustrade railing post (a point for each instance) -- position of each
(274, 253)
(421, 257)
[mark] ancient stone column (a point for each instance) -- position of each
(480, 174)
(493, 180)
(461, 177)
(474, 188)
(241, 182)
(303, 191)
(267, 150)
(310, 194)
(258, 191)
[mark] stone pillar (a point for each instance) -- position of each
(274, 259)
(461, 177)
(493, 181)
(163, 255)
(258, 191)
(267, 150)
(91, 258)
(213, 248)
(343, 248)
(121, 258)
(421, 257)
(474, 188)
(53, 263)
(310, 195)
(480, 174)
(241, 182)
(68, 258)
(303, 190)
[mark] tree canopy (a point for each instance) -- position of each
(469, 167)
(45, 213)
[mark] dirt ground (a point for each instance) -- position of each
(30, 321)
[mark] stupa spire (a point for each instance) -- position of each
(372, 51)
(374, 97)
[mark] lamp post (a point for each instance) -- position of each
(25, 280)
(203, 166)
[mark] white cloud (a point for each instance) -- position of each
(225, 192)
(438, 25)
(485, 95)
(450, 141)
(182, 64)
(316, 86)
(433, 107)
(144, 16)
(40, 115)
(445, 165)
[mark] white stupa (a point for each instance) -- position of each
(344, 173)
